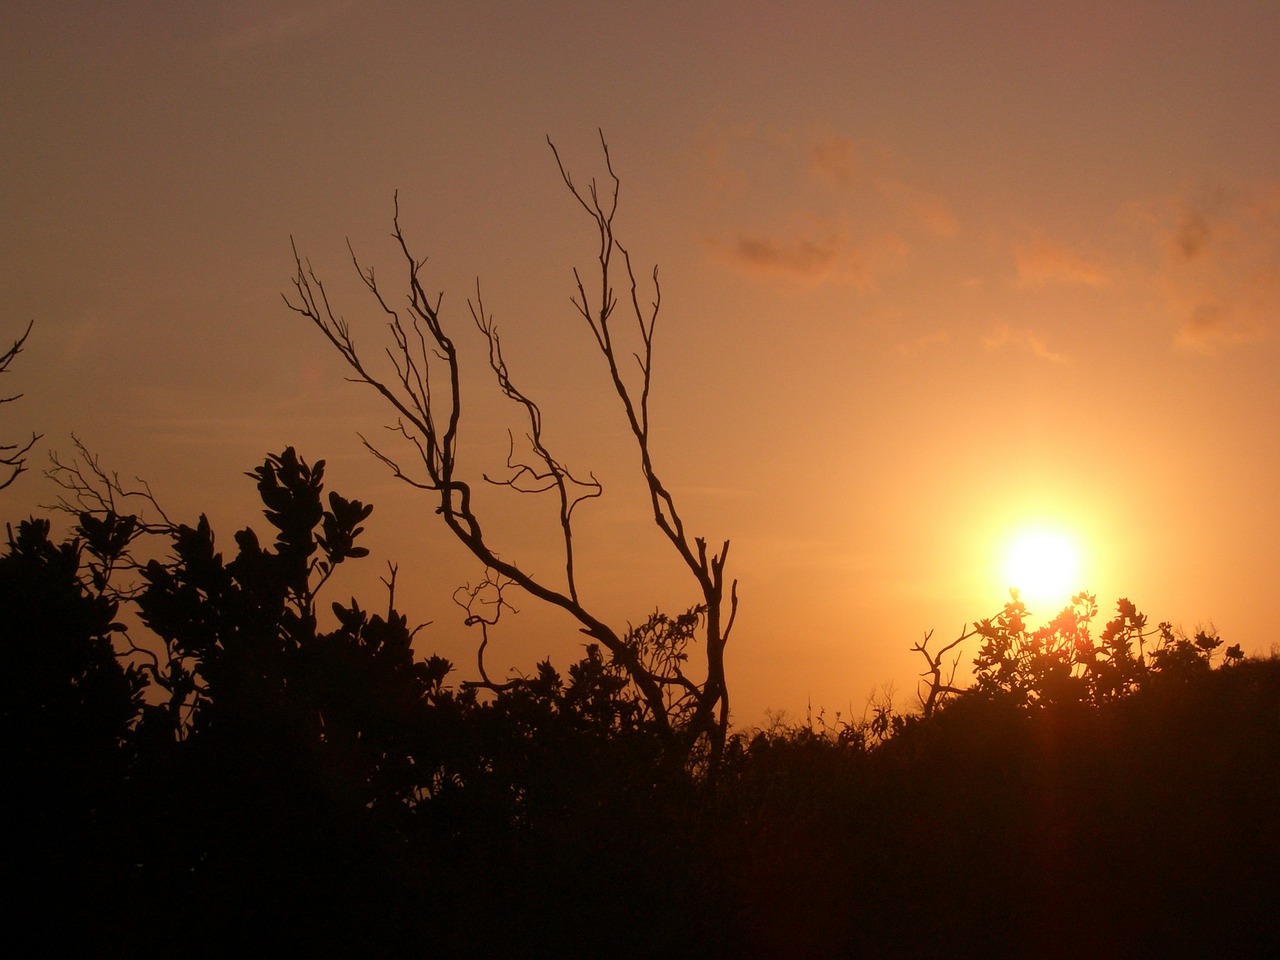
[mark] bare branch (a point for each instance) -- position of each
(389, 582)
(13, 457)
(938, 688)
(708, 571)
(550, 474)
(488, 593)
(89, 490)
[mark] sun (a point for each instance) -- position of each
(1043, 565)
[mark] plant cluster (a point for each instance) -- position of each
(1063, 662)
(187, 731)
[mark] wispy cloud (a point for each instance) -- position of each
(814, 252)
(261, 24)
(835, 158)
(852, 220)
(799, 257)
(929, 210)
(926, 341)
(1221, 265)
(844, 164)
(1004, 336)
(1043, 262)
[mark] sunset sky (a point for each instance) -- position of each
(932, 273)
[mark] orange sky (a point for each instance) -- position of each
(928, 274)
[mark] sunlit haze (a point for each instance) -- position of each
(1043, 565)
(931, 274)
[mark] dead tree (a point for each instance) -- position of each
(424, 387)
(938, 688)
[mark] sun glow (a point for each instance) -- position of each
(1044, 565)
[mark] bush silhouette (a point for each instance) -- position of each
(67, 706)
(1061, 661)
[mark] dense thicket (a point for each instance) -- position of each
(226, 773)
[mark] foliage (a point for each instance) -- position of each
(67, 707)
(273, 759)
(1062, 662)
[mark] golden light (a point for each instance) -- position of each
(1044, 565)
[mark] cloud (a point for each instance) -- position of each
(1042, 262)
(841, 163)
(1191, 236)
(1221, 265)
(837, 211)
(816, 251)
(1003, 335)
(835, 158)
(800, 257)
(931, 212)
(260, 25)
(936, 338)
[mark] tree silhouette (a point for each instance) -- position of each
(424, 389)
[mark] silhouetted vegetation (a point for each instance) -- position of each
(208, 755)
(196, 758)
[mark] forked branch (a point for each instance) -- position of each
(598, 312)
(938, 688)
